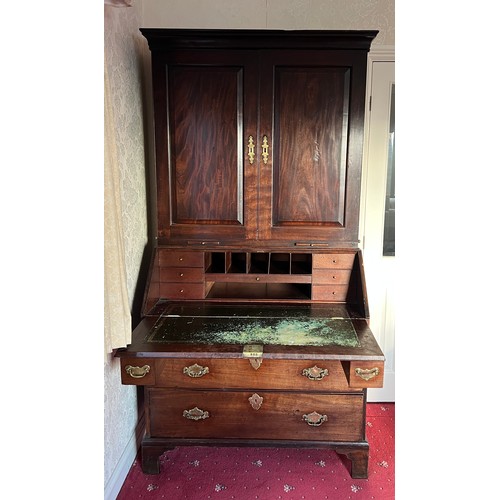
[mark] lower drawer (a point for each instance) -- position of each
(251, 415)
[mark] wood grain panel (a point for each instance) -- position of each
(206, 150)
(310, 145)
(230, 415)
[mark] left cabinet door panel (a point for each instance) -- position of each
(205, 181)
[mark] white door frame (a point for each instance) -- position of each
(379, 270)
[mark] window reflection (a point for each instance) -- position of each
(389, 247)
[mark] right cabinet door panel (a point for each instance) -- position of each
(311, 111)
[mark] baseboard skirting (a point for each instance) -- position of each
(115, 482)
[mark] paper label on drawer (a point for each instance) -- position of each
(253, 351)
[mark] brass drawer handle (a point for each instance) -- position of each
(256, 401)
(315, 373)
(314, 419)
(195, 414)
(137, 371)
(195, 371)
(251, 150)
(366, 374)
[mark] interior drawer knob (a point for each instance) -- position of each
(137, 371)
(195, 371)
(366, 374)
(195, 414)
(315, 373)
(315, 419)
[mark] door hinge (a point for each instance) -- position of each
(370, 104)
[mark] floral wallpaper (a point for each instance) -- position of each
(122, 55)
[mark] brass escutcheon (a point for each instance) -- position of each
(256, 401)
(315, 419)
(195, 371)
(315, 373)
(195, 414)
(265, 149)
(251, 150)
(366, 374)
(137, 371)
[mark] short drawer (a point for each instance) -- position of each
(137, 371)
(255, 415)
(336, 293)
(277, 374)
(365, 374)
(181, 258)
(181, 274)
(331, 276)
(333, 261)
(182, 290)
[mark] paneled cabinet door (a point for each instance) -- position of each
(259, 145)
(311, 110)
(205, 116)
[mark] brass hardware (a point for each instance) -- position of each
(366, 374)
(315, 373)
(257, 279)
(254, 352)
(265, 149)
(195, 371)
(182, 274)
(251, 150)
(314, 419)
(195, 414)
(256, 401)
(305, 244)
(255, 362)
(137, 371)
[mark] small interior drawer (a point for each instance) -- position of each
(181, 258)
(183, 290)
(182, 274)
(335, 293)
(333, 261)
(331, 276)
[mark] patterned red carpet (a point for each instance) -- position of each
(196, 473)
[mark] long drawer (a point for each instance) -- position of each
(238, 373)
(255, 415)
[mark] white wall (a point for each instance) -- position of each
(274, 14)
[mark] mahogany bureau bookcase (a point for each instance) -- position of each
(254, 325)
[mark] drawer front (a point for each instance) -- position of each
(366, 374)
(239, 374)
(181, 258)
(182, 290)
(182, 274)
(333, 277)
(253, 415)
(137, 371)
(333, 261)
(337, 293)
